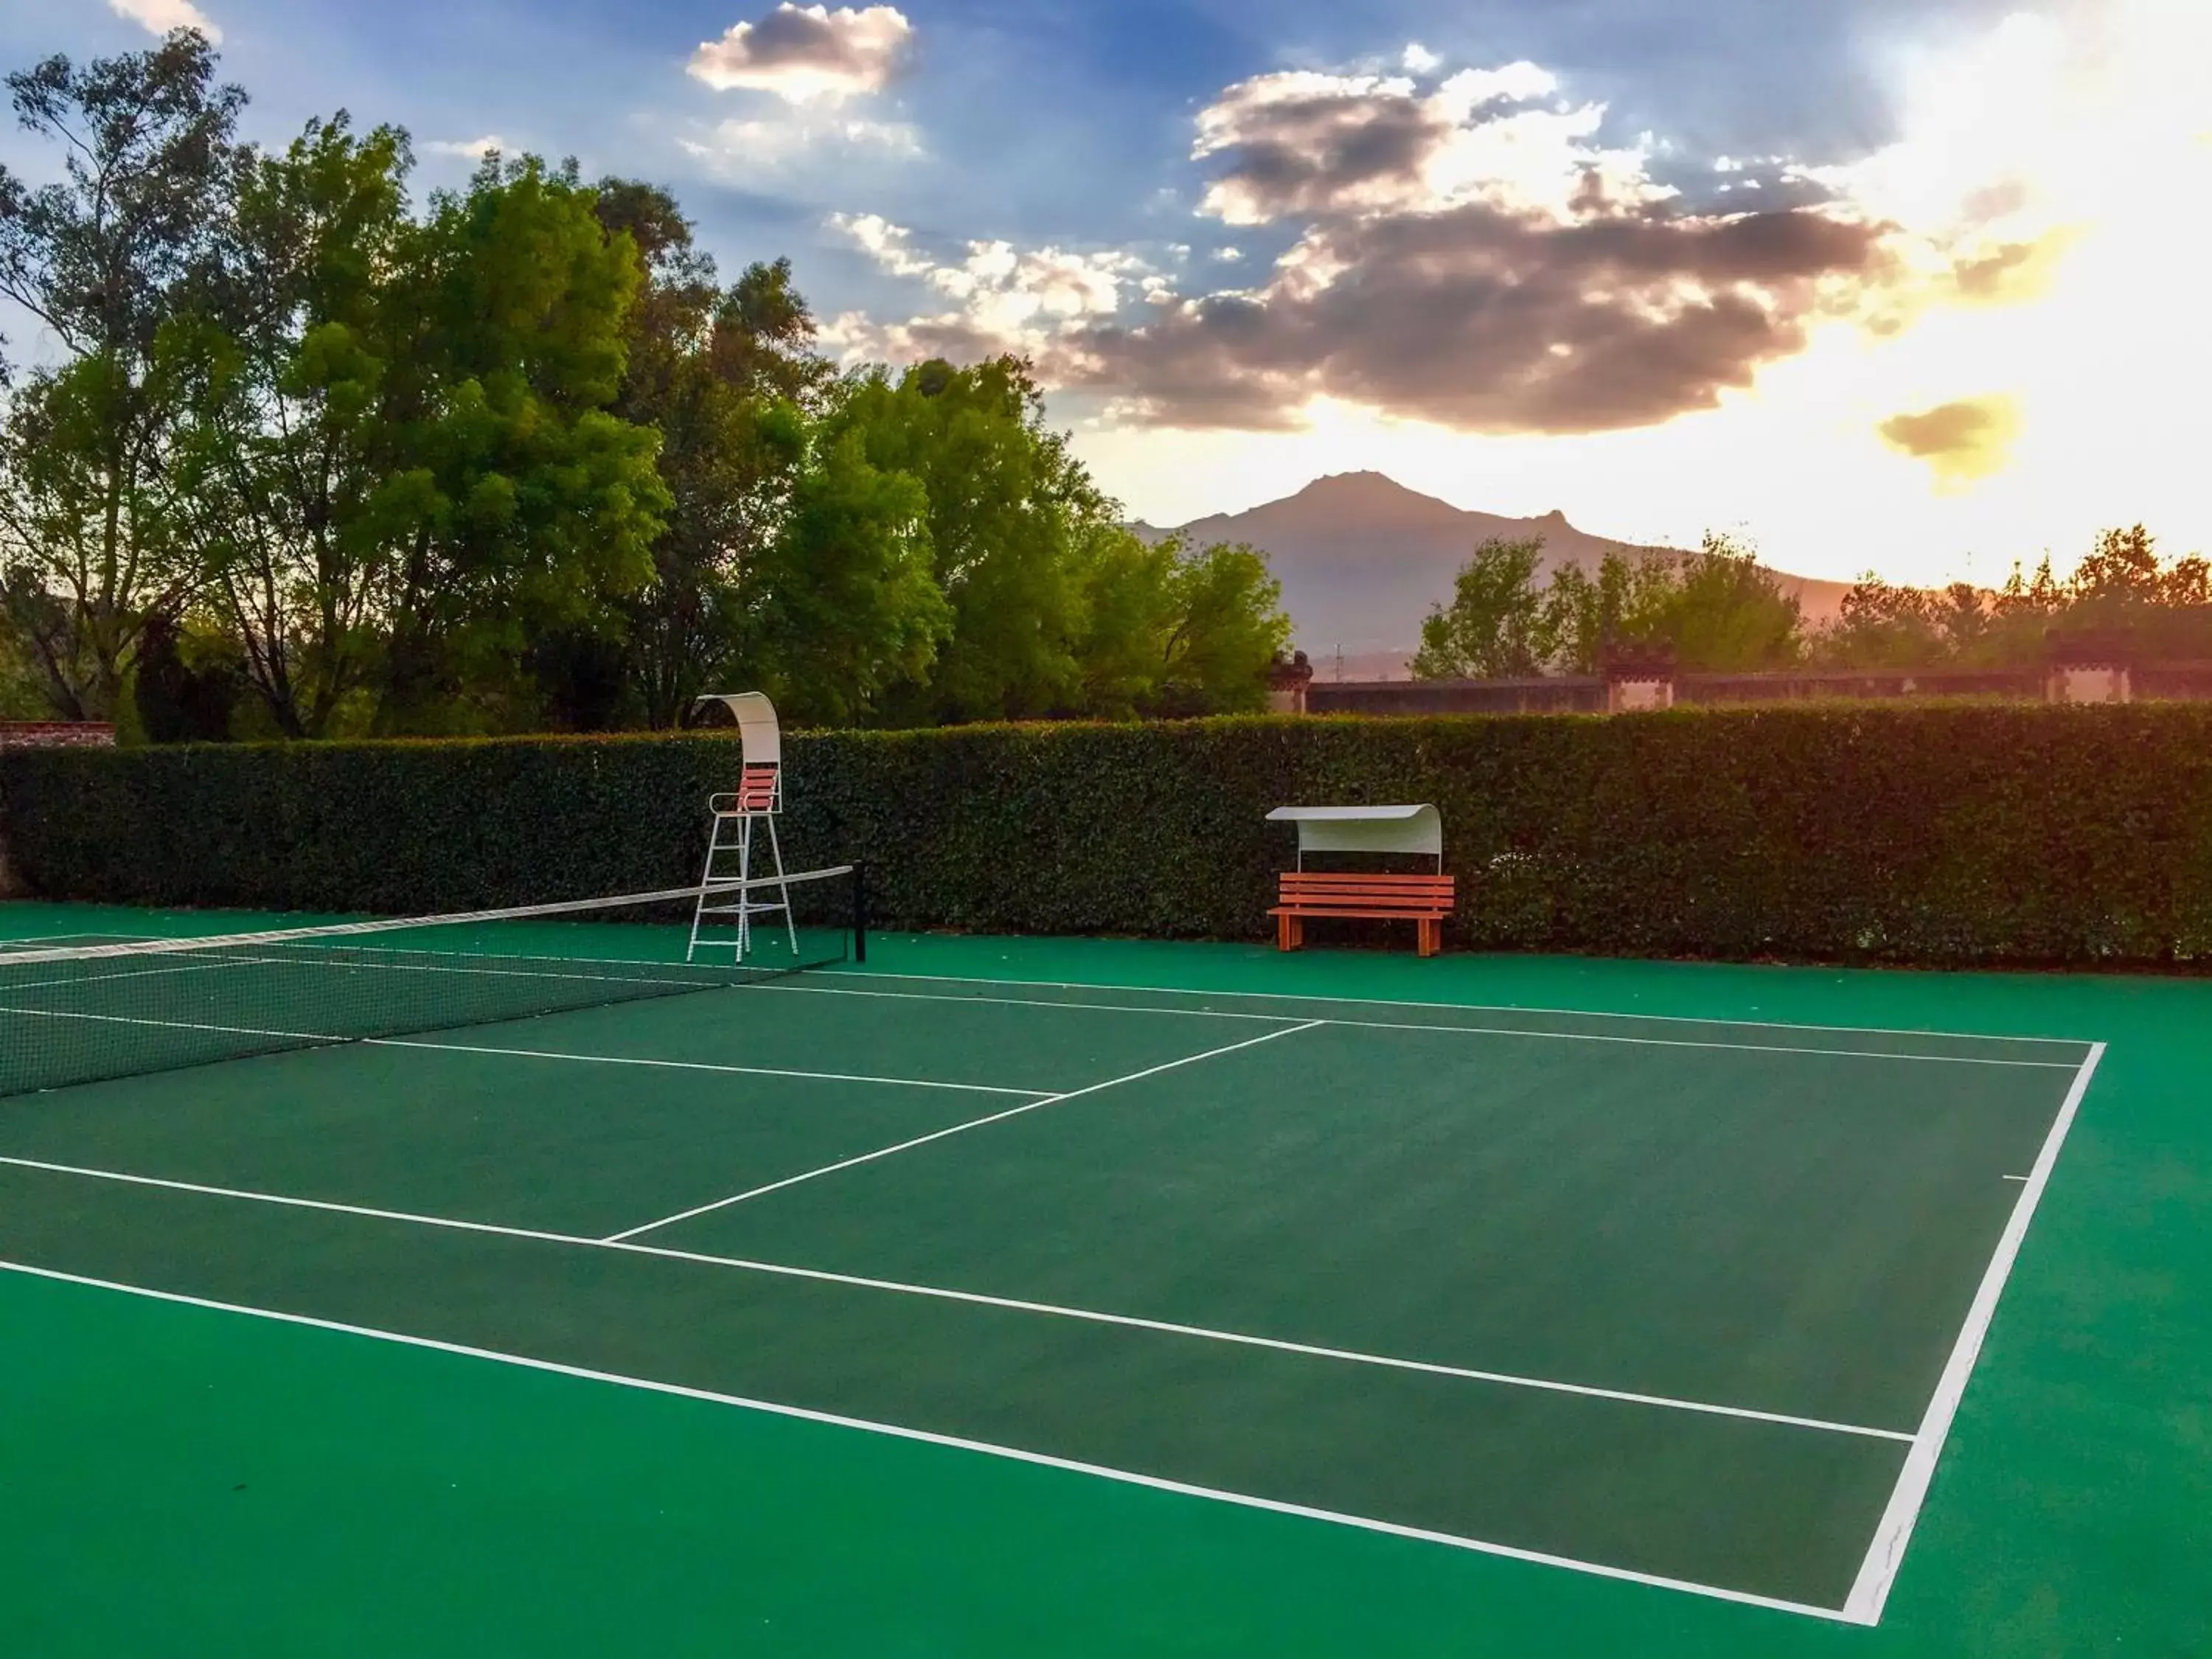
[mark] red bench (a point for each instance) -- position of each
(1425, 901)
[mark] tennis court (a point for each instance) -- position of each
(1689, 1301)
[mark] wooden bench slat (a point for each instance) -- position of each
(1293, 878)
(1330, 895)
(1377, 915)
(1405, 901)
(1416, 887)
(1422, 893)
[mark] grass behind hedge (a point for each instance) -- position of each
(1955, 833)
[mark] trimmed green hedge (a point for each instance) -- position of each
(1937, 834)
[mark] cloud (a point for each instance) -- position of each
(476, 148)
(1962, 442)
(1469, 256)
(808, 53)
(779, 145)
(159, 16)
(1479, 321)
(1484, 252)
(1299, 144)
(1002, 299)
(2006, 273)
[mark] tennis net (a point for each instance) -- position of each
(86, 1013)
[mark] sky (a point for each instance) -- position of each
(1913, 286)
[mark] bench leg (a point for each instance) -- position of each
(1431, 936)
(1290, 932)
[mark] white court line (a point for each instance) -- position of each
(957, 1128)
(1017, 1002)
(704, 1066)
(975, 1298)
(1692, 1043)
(1127, 1477)
(1460, 1030)
(1885, 1554)
(1467, 1008)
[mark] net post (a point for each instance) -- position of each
(860, 910)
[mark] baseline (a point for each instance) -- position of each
(1474, 1030)
(1466, 1007)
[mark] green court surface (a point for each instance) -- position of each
(1054, 1296)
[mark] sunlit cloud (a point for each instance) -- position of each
(476, 148)
(1300, 143)
(159, 16)
(1001, 298)
(803, 139)
(1470, 256)
(1962, 442)
(805, 54)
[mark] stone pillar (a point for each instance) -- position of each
(1637, 676)
(1287, 683)
(1629, 694)
(2101, 682)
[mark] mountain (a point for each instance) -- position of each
(1361, 558)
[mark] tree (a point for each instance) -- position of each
(2120, 593)
(2122, 567)
(109, 259)
(1224, 625)
(848, 604)
(1626, 605)
(1174, 630)
(1496, 624)
(1728, 613)
(286, 442)
(1884, 626)
(1010, 511)
(516, 504)
(732, 382)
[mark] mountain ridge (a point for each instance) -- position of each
(1361, 558)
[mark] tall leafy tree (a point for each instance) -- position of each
(1728, 613)
(1882, 625)
(1223, 626)
(1625, 604)
(1495, 625)
(1009, 509)
(1173, 630)
(849, 606)
(107, 259)
(2121, 567)
(730, 379)
(517, 504)
(287, 442)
